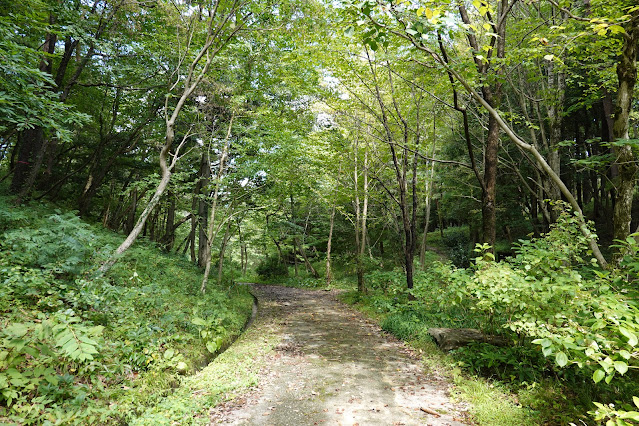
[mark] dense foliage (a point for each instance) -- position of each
(80, 349)
(363, 143)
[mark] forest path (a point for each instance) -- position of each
(334, 367)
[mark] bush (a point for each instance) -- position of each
(404, 325)
(457, 241)
(522, 363)
(271, 267)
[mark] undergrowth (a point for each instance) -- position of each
(568, 326)
(75, 349)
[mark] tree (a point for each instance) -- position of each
(404, 26)
(226, 19)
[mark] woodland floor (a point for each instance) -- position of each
(333, 366)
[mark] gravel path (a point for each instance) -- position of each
(335, 367)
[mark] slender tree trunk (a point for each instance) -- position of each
(308, 264)
(489, 207)
(364, 237)
(220, 263)
(361, 285)
(625, 158)
(155, 199)
(169, 230)
(429, 186)
(210, 235)
(329, 273)
(130, 221)
(243, 259)
(201, 195)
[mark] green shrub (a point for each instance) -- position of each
(271, 267)
(522, 363)
(403, 325)
(457, 242)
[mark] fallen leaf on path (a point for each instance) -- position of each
(429, 411)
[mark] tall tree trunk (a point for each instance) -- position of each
(29, 148)
(489, 207)
(202, 203)
(220, 263)
(364, 237)
(329, 273)
(32, 146)
(557, 86)
(211, 232)
(361, 285)
(169, 230)
(625, 158)
(130, 221)
(308, 264)
(429, 187)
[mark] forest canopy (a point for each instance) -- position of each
(483, 154)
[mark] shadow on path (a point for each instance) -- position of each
(334, 367)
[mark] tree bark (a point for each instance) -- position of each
(202, 207)
(220, 262)
(329, 273)
(309, 265)
(429, 187)
(625, 158)
(361, 285)
(211, 232)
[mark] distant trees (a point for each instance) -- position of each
(540, 59)
(274, 136)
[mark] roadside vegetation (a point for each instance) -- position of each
(570, 327)
(76, 349)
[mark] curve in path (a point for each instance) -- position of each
(335, 367)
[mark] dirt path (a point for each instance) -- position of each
(335, 367)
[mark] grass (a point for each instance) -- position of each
(145, 325)
(232, 373)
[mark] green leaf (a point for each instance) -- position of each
(615, 29)
(211, 347)
(636, 401)
(562, 359)
(598, 375)
(621, 367)
(630, 415)
(199, 321)
(17, 330)
(608, 378)
(632, 337)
